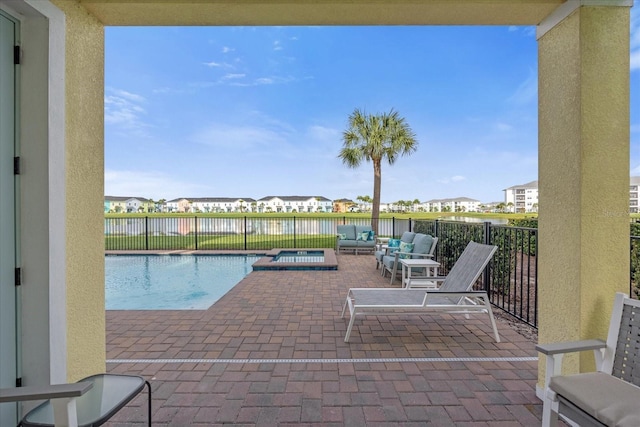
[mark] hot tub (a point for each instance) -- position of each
(297, 259)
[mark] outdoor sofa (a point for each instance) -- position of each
(356, 238)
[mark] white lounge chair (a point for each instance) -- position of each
(453, 296)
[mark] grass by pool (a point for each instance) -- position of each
(171, 282)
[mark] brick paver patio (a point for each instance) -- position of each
(271, 352)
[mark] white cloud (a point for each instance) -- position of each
(503, 127)
(260, 81)
(449, 180)
(245, 139)
(214, 64)
(527, 91)
(277, 45)
(233, 76)
(322, 133)
(123, 110)
(227, 49)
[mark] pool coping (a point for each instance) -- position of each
(265, 263)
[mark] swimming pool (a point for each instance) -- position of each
(171, 282)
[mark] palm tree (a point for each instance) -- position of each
(374, 138)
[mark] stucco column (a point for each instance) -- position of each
(86, 348)
(583, 175)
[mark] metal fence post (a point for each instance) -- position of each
(245, 232)
(295, 245)
(487, 233)
(146, 232)
(486, 276)
(195, 229)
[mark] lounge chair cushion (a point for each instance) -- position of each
(608, 399)
(422, 244)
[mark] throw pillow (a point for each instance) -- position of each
(393, 243)
(342, 236)
(371, 235)
(363, 236)
(405, 247)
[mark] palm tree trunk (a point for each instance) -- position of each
(377, 179)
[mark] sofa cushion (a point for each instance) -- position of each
(364, 235)
(405, 247)
(360, 229)
(349, 230)
(608, 399)
(407, 236)
(393, 246)
(422, 244)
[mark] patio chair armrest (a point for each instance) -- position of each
(457, 293)
(422, 255)
(551, 349)
(398, 253)
(556, 351)
(44, 392)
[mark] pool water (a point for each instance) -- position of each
(171, 282)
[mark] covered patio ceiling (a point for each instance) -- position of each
(321, 12)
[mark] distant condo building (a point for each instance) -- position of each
(633, 194)
(458, 204)
(522, 198)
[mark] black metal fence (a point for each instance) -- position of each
(511, 279)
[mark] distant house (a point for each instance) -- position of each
(179, 205)
(342, 205)
(294, 204)
(223, 204)
(118, 204)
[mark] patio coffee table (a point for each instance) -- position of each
(109, 394)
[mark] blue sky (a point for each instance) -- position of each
(260, 111)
